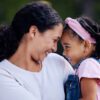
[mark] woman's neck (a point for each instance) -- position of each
(23, 60)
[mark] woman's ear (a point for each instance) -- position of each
(32, 31)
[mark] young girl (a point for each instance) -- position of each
(81, 43)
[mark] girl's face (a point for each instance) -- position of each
(73, 47)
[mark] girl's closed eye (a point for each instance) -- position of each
(66, 47)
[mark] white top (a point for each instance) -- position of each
(19, 84)
(90, 68)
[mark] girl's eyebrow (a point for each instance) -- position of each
(66, 44)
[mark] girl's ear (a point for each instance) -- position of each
(88, 48)
(83, 46)
(87, 45)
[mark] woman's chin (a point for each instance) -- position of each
(42, 58)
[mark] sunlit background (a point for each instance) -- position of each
(66, 8)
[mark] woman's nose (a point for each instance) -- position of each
(54, 48)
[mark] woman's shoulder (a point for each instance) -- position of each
(58, 61)
(59, 65)
(4, 73)
(8, 82)
(56, 58)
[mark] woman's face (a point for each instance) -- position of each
(46, 42)
(73, 48)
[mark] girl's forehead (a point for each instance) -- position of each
(67, 35)
(67, 38)
(68, 32)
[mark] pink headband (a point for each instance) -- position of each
(75, 25)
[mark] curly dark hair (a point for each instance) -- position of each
(94, 29)
(38, 13)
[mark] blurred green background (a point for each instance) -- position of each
(73, 8)
(66, 8)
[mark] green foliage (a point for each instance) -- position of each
(65, 7)
(8, 9)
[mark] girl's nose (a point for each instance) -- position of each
(64, 53)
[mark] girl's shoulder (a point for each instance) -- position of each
(89, 68)
(90, 61)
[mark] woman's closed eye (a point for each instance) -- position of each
(55, 40)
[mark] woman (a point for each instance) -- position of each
(26, 72)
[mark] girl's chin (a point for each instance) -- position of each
(73, 63)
